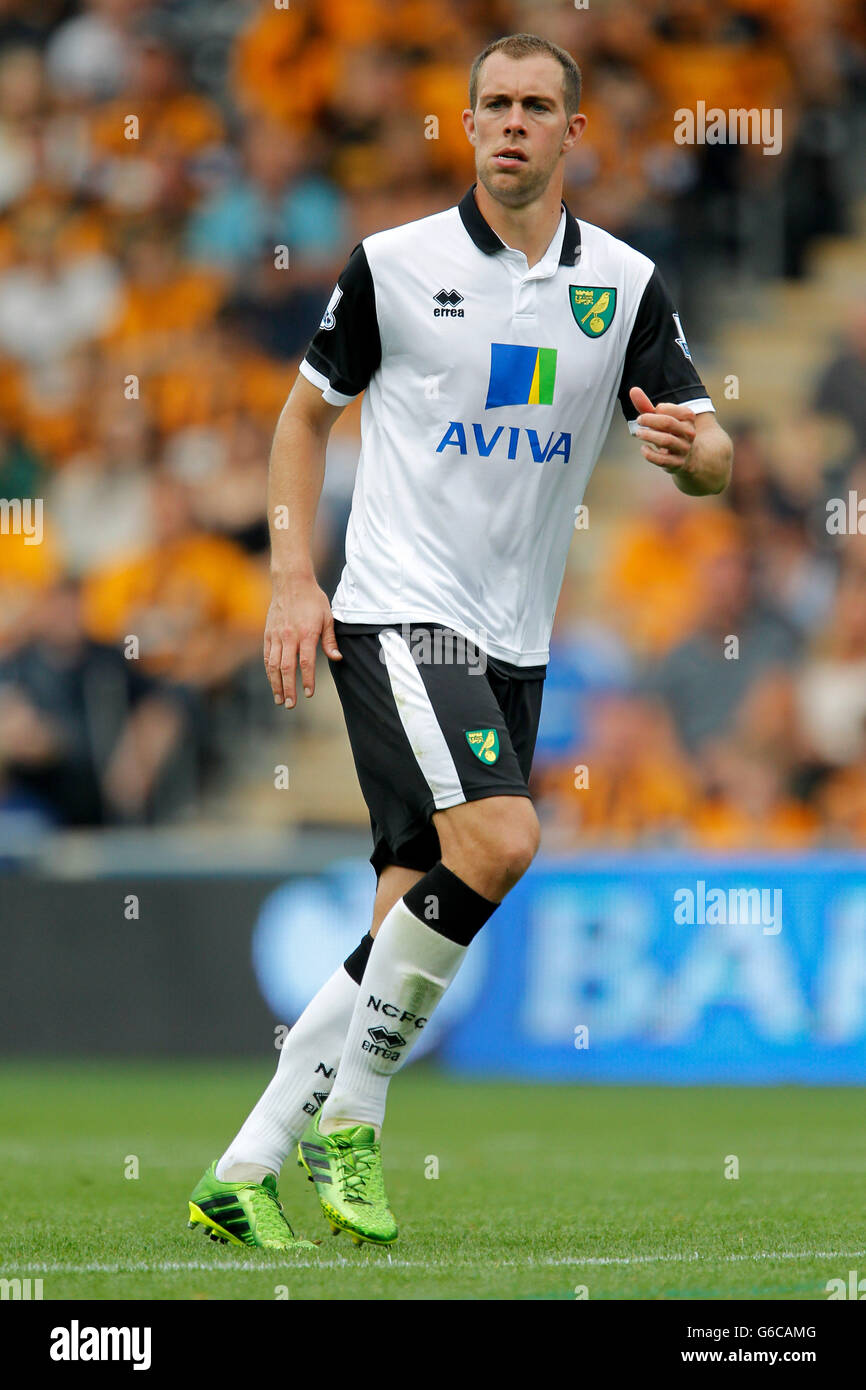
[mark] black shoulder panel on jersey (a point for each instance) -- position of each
(346, 347)
(656, 357)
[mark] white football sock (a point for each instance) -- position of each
(305, 1073)
(245, 1172)
(409, 969)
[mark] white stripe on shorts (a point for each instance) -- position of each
(418, 718)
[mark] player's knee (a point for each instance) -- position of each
(516, 844)
(490, 845)
(519, 857)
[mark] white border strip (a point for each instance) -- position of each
(318, 379)
(553, 1262)
(418, 718)
(700, 405)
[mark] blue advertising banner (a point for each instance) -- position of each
(629, 968)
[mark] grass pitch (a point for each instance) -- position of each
(541, 1190)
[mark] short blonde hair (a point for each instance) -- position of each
(522, 46)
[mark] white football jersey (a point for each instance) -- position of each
(490, 387)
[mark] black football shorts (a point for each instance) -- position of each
(432, 722)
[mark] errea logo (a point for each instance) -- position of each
(383, 1035)
(448, 301)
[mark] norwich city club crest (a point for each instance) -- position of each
(484, 744)
(593, 308)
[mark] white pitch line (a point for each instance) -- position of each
(229, 1266)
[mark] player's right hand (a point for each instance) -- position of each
(299, 615)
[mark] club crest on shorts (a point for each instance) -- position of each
(593, 307)
(484, 744)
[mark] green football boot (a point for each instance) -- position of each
(346, 1167)
(242, 1213)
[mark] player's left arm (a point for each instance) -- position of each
(694, 449)
(681, 433)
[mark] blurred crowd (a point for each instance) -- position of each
(180, 184)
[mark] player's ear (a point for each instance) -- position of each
(573, 131)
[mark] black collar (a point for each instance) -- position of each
(486, 239)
